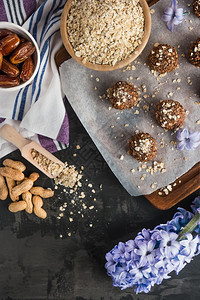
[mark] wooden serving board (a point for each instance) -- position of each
(185, 185)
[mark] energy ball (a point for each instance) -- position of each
(142, 146)
(123, 95)
(170, 114)
(194, 53)
(196, 7)
(163, 58)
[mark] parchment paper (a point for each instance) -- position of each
(108, 127)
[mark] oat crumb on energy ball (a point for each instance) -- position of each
(170, 114)
(123, 95)
(142, 146)
(163, 58)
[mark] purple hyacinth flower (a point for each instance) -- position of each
(189, 246)
(168, 247)
(130, 245)
(120, 253)
(154, 254)
(122, 278)
(167, 227)
(139, 272)
(198, 246)
(111, 264)
(188, 140)
(178, 263)
(143, 286)
(196, 205)
(173, 15)
(181, 218)
(164, 267)
(145, 234)
(146, 252)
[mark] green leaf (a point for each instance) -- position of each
(190, 226)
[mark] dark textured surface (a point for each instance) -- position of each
(35, 263)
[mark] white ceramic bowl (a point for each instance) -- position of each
(36, 55)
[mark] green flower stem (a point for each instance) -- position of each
(190, 226)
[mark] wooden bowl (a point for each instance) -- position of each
(98, 67)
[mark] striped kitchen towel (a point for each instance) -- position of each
(37, 111)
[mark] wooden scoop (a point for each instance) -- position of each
(8, 133)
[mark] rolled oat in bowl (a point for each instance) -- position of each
(105, 32)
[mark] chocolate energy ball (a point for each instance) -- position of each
(142, 146)
(163, 59)
(123, 95)
(196, 7)
(194, 53)
(170, 114)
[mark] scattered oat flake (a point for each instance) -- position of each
(82, 195)
(136, 112)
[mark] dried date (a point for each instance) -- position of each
(27, 69)
(9, 69)
(22, 52)
(18, 67)
(9, 43)
(1, 59)
(6, 81)
(4, 32)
